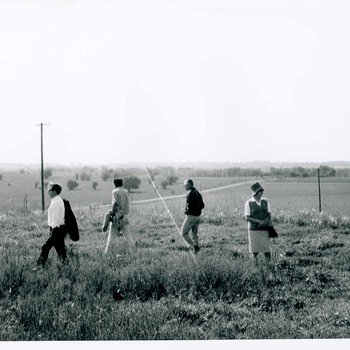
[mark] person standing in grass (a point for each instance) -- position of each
(258, 215)
(194, 206)
(55, 220)
(119, 216)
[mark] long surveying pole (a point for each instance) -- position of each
(319, 190)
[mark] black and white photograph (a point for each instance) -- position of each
(175, 173)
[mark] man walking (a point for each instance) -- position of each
(55, 220)
(119, 216)
(194, 206)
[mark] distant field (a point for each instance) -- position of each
(290, 196)
(22, 185)
(284, 194)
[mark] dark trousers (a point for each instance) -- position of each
(56, 241)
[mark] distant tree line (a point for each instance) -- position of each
(226, 172)
(130, 181)
(325, 171)
(108, 174)
(170, 175)
(166, 172)
(168, 181)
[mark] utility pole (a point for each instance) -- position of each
(42, 167)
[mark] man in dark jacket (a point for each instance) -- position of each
(194, 206)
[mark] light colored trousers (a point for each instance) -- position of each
(124, 230)
(191, 223)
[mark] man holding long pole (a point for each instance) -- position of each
(119, 216)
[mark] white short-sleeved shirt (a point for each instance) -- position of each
(55, 215)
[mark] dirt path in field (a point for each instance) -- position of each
(214, 189)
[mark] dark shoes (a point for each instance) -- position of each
(196, 249)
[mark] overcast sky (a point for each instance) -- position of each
(174, 81)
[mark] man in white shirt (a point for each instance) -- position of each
(119, 216)
(55, 220)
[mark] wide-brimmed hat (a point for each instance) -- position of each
(256, 188)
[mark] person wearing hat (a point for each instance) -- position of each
(257, 212)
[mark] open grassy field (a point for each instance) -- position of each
(15, 186)
(293, 196)
(223, 294)
(284, 194)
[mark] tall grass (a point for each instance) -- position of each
(162, 293)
